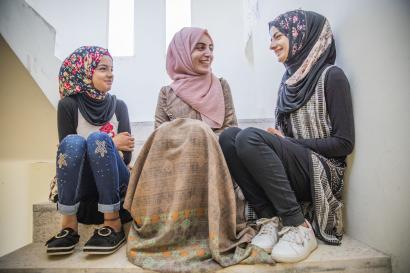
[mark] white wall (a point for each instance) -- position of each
(373, 43)
(77, 23)
(139, 78)
(32, 39)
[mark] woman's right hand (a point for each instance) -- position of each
(124, 141)
(274, 131)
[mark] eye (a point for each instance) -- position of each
(211, 47)
(200, 47)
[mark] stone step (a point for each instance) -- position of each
(46, 223)
(351, 257)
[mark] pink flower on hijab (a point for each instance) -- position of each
(203, 92)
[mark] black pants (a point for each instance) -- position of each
(272, 172)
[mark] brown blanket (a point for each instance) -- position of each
(182, 201)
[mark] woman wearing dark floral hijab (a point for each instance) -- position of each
(95, 147)
(293, 174)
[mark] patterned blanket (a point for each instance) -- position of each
(182, 200)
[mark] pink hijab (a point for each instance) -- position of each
(202, 92)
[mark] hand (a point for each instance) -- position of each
(124, 141)
(274, 131)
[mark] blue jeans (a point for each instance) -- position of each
(98, 157)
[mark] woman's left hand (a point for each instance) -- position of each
(274, 131)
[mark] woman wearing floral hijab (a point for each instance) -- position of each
(295, 170)
(180, 193)
(95, 147)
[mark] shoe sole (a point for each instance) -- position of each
(103, 250)
(294, 260)
(54, 251)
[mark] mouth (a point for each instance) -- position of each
(278, 51)
(108, 82)
(206, 62)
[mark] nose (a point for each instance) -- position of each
(207, 52)
(273, 44)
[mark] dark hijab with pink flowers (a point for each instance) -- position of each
(75, 79)
(311, 50)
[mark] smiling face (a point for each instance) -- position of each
(103, 75)
(279, 44)
(202, 55)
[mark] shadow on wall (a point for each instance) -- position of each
(27, 149)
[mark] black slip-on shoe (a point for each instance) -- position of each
(105, 241)
(63, 243)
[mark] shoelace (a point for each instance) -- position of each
(268, 225)
(292, 234)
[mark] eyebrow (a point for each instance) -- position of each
(203, 44)
(102, 65)
(276, 33)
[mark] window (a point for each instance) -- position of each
(178, 15)
(121, 27)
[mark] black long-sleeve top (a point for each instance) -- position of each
(67, 119)
(339, 107)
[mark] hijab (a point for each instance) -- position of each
(75, 79)
(311, 50)
(203, 92)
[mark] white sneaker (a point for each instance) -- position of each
(268, 234)
(295, 244)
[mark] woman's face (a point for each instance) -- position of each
(103, 75)
(202, 55)
(280, 44)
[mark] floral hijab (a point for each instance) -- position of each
(311, 50)
(77, 71)
(75, 79)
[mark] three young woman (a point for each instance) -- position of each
(180, 193)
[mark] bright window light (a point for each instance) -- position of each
(178, 15)
(121, 28)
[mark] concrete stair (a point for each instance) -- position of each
(352, 256)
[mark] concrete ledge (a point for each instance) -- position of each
(46, 223)
(351, 256)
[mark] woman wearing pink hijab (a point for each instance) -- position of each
(180, 193)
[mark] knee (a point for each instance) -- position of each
(72, 143)
(227, 138)
(246, 141)
(99, 143)
(98, 136)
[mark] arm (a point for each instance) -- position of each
(121, 112)
(230, 116)
(67, 118)
(339, 107)
(160, 115)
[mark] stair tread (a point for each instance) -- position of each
(351, 256)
